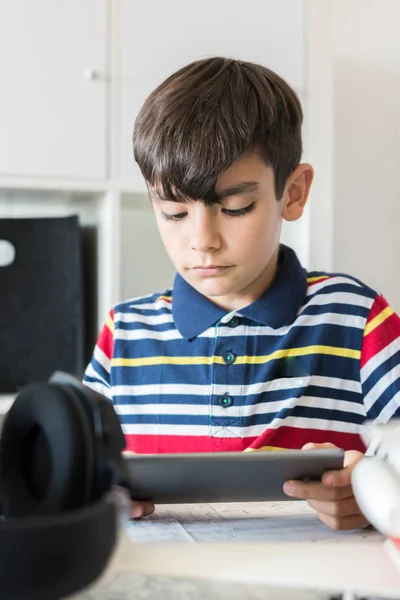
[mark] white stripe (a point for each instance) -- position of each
(379, 358)
(90, 372)
(345, 298)
(304, 423)
(236, 411)
(152, 305)
(157, 389)
(157, 429)
(283, 383)
(101, 358)
(236, 431)
(146, 334)
(336, 383)
(389, 409)
(381, 386)
(146, 319)
(326, 283)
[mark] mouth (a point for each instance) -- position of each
(209, 270)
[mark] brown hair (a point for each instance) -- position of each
(204, 116)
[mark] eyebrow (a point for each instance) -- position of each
(237, 189)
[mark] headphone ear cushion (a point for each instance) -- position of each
(47, 453)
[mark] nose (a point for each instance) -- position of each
(205, 235)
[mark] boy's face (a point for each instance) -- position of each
(229, 251)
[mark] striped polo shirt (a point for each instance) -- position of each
(309, 361)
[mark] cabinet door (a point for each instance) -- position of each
(53, 88)
(157, 37)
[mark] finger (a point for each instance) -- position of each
(342, 477)
(330, 478)
(141, 509)
(351, 458)
(313, 446)
(315, 490)
(340, 524)
(346, 507)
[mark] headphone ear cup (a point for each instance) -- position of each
(57, 555)
(47, 453)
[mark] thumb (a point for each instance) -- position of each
(312, 446)
(342, 477)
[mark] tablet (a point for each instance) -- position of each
(225, 476)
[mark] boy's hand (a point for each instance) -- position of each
(141, 509)
(333, 497)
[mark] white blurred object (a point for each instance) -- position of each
(376, 479)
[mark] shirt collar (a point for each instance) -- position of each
(193, 313)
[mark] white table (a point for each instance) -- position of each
(249, 551)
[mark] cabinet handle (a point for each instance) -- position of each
(91, 74)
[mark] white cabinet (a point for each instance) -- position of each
(54, 87)
(157, 37)
(74, 75)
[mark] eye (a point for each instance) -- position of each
(240, 211)
(174, 217)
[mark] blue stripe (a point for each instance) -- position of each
(380, 371)
(313, 412)
(337, 309)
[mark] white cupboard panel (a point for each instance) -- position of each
(54, 86)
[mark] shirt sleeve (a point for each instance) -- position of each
(380, 363)
(97, 374)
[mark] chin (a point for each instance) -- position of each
(213, 290)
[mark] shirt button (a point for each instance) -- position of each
(229, 358)
(234, 322)
(225, 401)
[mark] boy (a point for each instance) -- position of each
(247, 351)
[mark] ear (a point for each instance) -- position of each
(296, 192)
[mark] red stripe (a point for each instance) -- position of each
(380, 303)
(284, 437)
(158, 444)
(381, 336)
(106, 340)
(294, 438)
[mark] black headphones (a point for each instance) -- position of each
(60, 453)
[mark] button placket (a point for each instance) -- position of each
(227, 348)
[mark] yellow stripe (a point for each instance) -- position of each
(289, 352)
(110, 324)
(320, 278)
(385, 314)
(240, 360)
(266, 448)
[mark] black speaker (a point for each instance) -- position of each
(41, 300)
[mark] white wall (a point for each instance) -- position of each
(355, 82)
